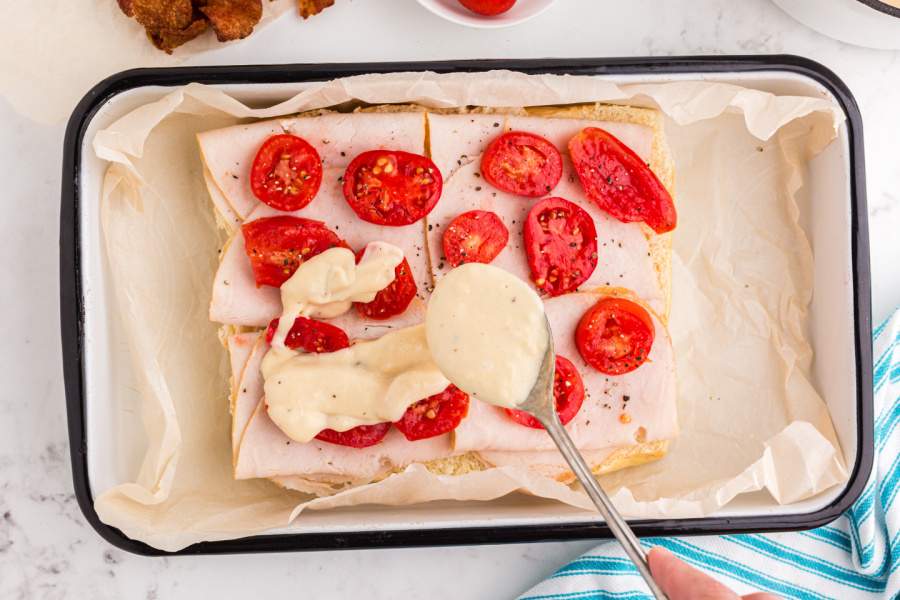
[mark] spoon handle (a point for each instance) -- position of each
(612, 517)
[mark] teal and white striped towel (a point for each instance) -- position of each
(856, 556)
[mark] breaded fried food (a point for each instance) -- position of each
(232, 19)
(171, 23)
(309, 8)
(169, 39)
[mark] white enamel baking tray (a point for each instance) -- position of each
(103, 409)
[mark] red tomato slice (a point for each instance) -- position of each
(393, 299)
(568, 392)
(391, 187)
(435, 415)
(276, 246)
(488, 8)
(358, 437)
(615, 336)
(474, 236)
(522, 163)
(286, 173)
(619, 182)
(561, 244)
(310, 335)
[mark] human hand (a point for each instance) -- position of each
(681, 581)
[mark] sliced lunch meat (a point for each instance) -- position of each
(247, 390)
(457, 140)
(624, 257)
(229, 152)
(617, 411)
(236, 300)
(266, 452)
(262, 449)
(224, 213)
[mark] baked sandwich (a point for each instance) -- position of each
(576, 200)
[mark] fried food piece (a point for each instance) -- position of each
(127, 7)
(307, 8)
(158, 15)
(169, 23)
(169, 39)
(232, 19)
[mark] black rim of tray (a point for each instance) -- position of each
(72, 308)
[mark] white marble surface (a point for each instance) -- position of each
(46, 547)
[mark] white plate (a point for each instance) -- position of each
(850, 21)
(455, 12)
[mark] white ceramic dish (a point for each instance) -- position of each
(867, 23)
(103, 410)
(455, 12)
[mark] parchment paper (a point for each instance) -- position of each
(751, 419)
(73, 44)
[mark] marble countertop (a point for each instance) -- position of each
(47, 550)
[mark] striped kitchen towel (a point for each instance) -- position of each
(856, 556)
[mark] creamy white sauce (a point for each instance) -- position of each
(327, 285)
(367, 383)
(487, 332)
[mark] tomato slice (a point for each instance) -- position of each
(522, 163)
(435, 415)
(276, 246)
(615, 336)
(392, 187)
(488, 8)
(392, 300)
(310, 335)
(474, 236)
(358, 437)
(286, 173)
(561, 245)
(568, 393)
(619, 182)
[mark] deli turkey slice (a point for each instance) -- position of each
(618, 411)
(236, 300)
(625, 255)
(247, 391)
(266, 452)
(457, 140)
(228, 153)
(263, 450)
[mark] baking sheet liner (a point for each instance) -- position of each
(751, 418)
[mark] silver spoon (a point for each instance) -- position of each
(541, 405)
